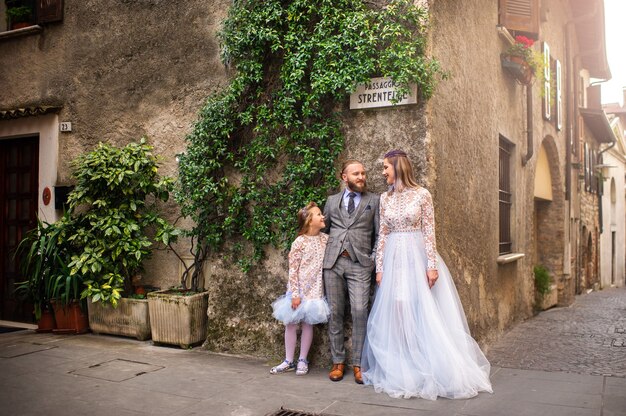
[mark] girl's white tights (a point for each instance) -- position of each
(291, 338)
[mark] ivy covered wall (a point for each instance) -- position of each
(273, 138)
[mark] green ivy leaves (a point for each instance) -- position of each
(267, 144)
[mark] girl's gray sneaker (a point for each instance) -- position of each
(283, 367)
(303, 367)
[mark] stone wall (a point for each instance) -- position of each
(589, 240)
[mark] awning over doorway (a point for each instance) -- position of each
(28, 112)
(598, 124)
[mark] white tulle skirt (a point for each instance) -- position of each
(418, 343)
(311, 311)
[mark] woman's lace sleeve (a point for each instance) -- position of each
(382, 235)
(428, 230)
(295, 260)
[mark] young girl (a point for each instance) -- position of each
(304, 301)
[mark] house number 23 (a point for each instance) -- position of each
(65, 126)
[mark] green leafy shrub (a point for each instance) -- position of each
(542, 279)
(114, 217)
(267, 143)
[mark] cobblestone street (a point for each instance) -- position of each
(589, 337)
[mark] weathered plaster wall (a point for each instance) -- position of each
(466, 116)
(121, 70)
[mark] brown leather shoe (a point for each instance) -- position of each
(358, 379)
(336, 374)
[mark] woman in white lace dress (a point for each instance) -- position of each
(418, 343)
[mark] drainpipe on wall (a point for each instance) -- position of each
(529, 125)
(569, 117)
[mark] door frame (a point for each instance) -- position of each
(46, 127)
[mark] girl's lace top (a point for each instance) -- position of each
(406, 211)
(305, 266)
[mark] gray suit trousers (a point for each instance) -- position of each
(356, 279)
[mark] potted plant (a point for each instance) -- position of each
(40, 253)
(546, 293)
(116, 227)
(19, 17)
(522, 61)
(45, 256)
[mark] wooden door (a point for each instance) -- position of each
(19, 163)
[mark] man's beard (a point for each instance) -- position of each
(357, 187)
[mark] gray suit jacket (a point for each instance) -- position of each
(357, 233)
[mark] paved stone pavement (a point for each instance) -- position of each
(588, 337)
(545, 366)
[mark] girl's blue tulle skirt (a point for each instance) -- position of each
(310, 311)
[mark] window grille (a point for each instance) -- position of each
(505, 195)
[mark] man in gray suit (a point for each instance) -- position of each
(352, 224)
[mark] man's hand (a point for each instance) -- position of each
(379, 278)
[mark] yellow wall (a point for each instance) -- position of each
(543, 180)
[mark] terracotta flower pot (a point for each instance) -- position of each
(46, 322)
(70, 318)
(20, 25)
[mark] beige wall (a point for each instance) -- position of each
(543, 180)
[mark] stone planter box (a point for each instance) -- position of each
(131, 318)
(548, 300)
(178, 319)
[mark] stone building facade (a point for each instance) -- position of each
(481, 112)
(613, 236)
(118, 71)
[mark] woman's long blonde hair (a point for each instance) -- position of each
(403, 170)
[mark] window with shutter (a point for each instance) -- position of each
(587, 161)
(557, 108)
(593, 178)
(27, 13)
(49, 11)
(547, 93)
(520, 16)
